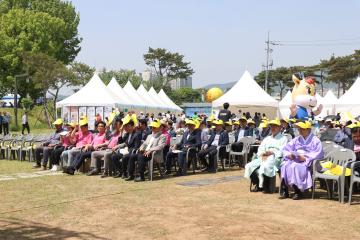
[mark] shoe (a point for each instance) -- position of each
(124, 176)
(65, 168)
(55, 168)
(130, 178)
(284, 195)
(117, 175)
(70, 171)
(93, 172)
(297, 196)
(167, 172)
(139, 179)
(43, 168)
(104, 175)
(204, 169)
(256, 189)
(178, 174)
(36, 166)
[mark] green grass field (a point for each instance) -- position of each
(37, 121)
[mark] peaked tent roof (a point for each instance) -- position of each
(94, 94)
(133, 95)
(145, 95)
(167, 100)
(330, 98)
(287, 100)
(157, 99)
(246, 92)
(115, 88)
(350, 101)
(284, 105)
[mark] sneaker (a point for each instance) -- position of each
(43, 168)
(36, 166)
(55, 168)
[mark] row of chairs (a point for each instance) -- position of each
(345, 158)
(17, 147)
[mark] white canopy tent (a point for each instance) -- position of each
(94, 93)
(284, 105)
(158, 100)
(248, 96)
(168, 101)
(350, 101)
(91, 99)
(134, 96)
(147, 98)
(116, 89)
(329, 102)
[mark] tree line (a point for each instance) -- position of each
(341, 71)
(39, 42)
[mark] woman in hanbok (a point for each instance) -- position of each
(299, 155)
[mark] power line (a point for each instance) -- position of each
(322, 40)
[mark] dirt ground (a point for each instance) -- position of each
(81, 207)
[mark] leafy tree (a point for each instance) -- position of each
(46, 73)
(81, 73)
(67, 43)
(122, 76)
(157, 83)
(185, 94)
(167, 65)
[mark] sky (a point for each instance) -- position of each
(221, 38)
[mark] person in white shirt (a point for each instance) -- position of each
(25, 123)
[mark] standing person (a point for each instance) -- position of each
(1, 122)
(6, 122)
(225, 114)
(25, 123)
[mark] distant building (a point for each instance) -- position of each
(179, 83)
(147, 75)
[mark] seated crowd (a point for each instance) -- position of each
(123, 147)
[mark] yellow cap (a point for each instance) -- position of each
(263, 125)
(111, 117)
(236, 123)
(197, 123)
(304, 125)
(275, 122)
(128, 118)
(155, 124)
(83, 122)
(250, 121)
(218, 122)
(71, 124)
(58, 121)
(190, 121)
(229, 123)
(243, 118)
(354, 125)
(336, 123)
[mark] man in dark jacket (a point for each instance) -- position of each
(128, 144)
(190, 139)
(242, 131)
(218, 138)
(225, 114)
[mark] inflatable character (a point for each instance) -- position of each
(304, 101)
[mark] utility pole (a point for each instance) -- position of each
(268, 51)
(269, 62)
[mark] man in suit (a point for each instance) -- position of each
(190, 139)
(126, 148)
(219, 137)
(242, 131)
(155, 142)
(143, 129)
